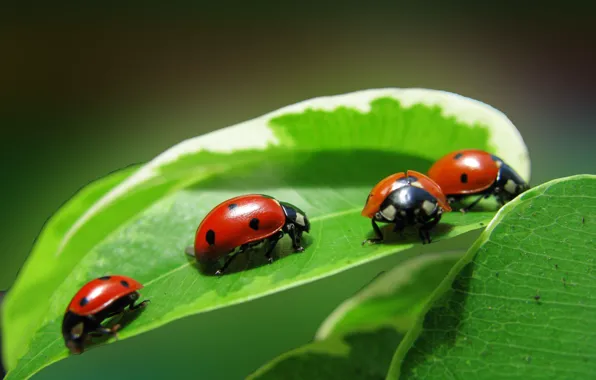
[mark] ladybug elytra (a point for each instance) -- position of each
(409, 198)
(245, 221)
(473, 172)
(96, 301)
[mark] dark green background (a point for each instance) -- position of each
(85, 91)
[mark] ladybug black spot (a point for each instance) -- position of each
(464, 178)
(458, 156)
(84, 301)
(232, 206)
(210, 237)
(105, 278)
(254, 224)
(125, 283)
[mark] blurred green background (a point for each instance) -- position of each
(85, 91)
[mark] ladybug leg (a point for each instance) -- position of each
(296, 237)
(133, 307)
(399, 227)
(272, 243)
(230, 259)
(501, 199)
(466, 209)
(424, 235)
(226, 264)
(101, 331)
(378, 233)
(424, 230)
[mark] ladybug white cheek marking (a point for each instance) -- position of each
(417, 184)
(77, 330)
(510, 186)
(428, 207)
(389, 212)
(300, 219)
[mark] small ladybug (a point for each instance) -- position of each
(475, 172)
(244, 222)
(409, 198)
(95, 302)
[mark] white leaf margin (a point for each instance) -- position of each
(256, 134)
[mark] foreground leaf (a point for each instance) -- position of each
(52, 231)
(322, 158)
(520, 304)
(359, 338)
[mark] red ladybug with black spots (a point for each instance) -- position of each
(409, 198)
(471, 172)
(244, 222)
(95, 302)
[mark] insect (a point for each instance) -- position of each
(472, 172)
(244, 222)
(96, 301)
(409, 198)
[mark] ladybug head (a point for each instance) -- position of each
(296, 216)
(73, 332)
(306, 224)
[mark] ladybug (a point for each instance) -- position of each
(95, 302)
(409, 198)
(472, 172)
(244, 222)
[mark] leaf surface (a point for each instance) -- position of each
(520, 304)
(358, 339)
(323, 155)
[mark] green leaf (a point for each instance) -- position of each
(358, 339)
(17, 315)
(520, 303)
(323, 155)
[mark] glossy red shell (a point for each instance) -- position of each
(432, 187)
(378, 193)
(388, 184)
(101, 292)
(237, 221)
(465, 171)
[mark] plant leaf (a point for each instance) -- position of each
(41, 265)
(323, 155)
(519, 305)
(358, 339)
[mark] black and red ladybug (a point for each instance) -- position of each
(99, 299)
(472, 172)
(409, 198)
(244, 222)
